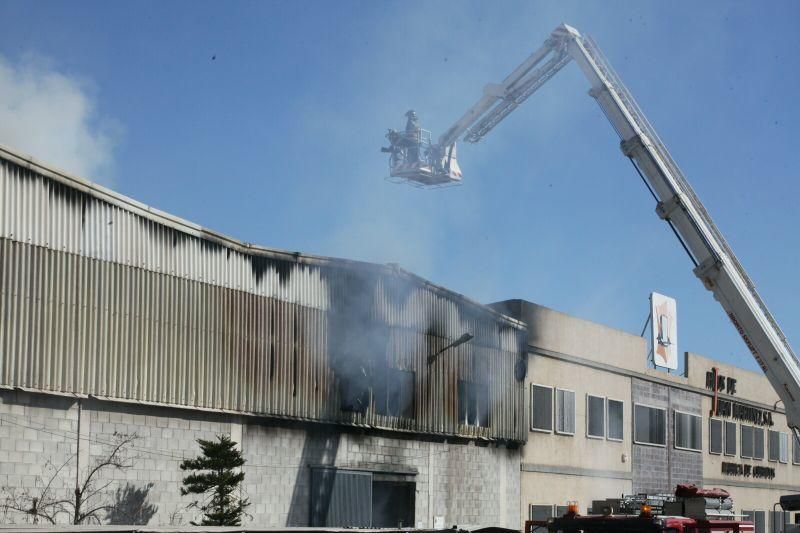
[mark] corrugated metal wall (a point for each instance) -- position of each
(341, 498)
(102, 296)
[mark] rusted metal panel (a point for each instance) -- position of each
(102, 296)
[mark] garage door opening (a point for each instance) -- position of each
(353, 498)
(393, 504)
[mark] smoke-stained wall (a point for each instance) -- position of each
(102, 296)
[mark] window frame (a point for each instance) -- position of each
(675, 431)
(764, 448)
(471, 392)
(551, 505)
(741, 441)
(608, 402)
(555, 413)
(721, 435)
(769, 459)
(781, 434)
(725, 438)
(551, 410)
(605, 417)
(390, 384)
(795, 445)
(666, 425)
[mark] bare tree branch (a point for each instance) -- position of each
(89, 498)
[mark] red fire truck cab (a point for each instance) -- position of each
(643, 523)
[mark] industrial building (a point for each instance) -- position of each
(603, 422)
(340, 380)
(359, 394)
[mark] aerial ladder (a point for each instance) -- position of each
(415, 159)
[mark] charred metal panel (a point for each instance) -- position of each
(340, 498)
(102, 296)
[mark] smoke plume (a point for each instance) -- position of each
(51, 116)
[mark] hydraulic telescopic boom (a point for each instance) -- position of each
(677, 204)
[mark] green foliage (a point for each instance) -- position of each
(216, 476)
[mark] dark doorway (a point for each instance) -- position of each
(393, 504)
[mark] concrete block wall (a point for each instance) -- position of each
(462, 483)
(165, 438)
(650, 466)
(659, 469)
(38, 434)
(685, 466)
(474, 484)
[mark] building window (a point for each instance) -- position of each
(795, 450)
(540, 512)
(747, 442)
(778, 446)
(561, 510)
(541, 408)
(688, 431)
(774, 445)
(714, 436)
(758, 444)
(595, 416)
(649, 425)
(473, 404)
(730, 438)
(614, 419)
(393, 391)
(783, 455)
(565, 412)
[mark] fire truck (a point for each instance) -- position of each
(690, 509)
(645, 522)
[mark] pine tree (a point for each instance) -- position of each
(215, 475)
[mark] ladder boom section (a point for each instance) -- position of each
(678, 204)
(500, 99)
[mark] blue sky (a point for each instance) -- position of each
(263, 120)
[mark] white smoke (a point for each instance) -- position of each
(51, 116)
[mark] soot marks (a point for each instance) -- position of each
(66, 194)
(260, 265)
(173, 237)
(273, 340)
(356, 338)
(398, 289)
(83, 211)
(352, 289)
(284, 269)
(295, 348)
(205, 242)
(272, 361)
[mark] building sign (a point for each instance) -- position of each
(719, 383)
(728, 409)
(759, 472)
(664, 328)
(745, 413)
